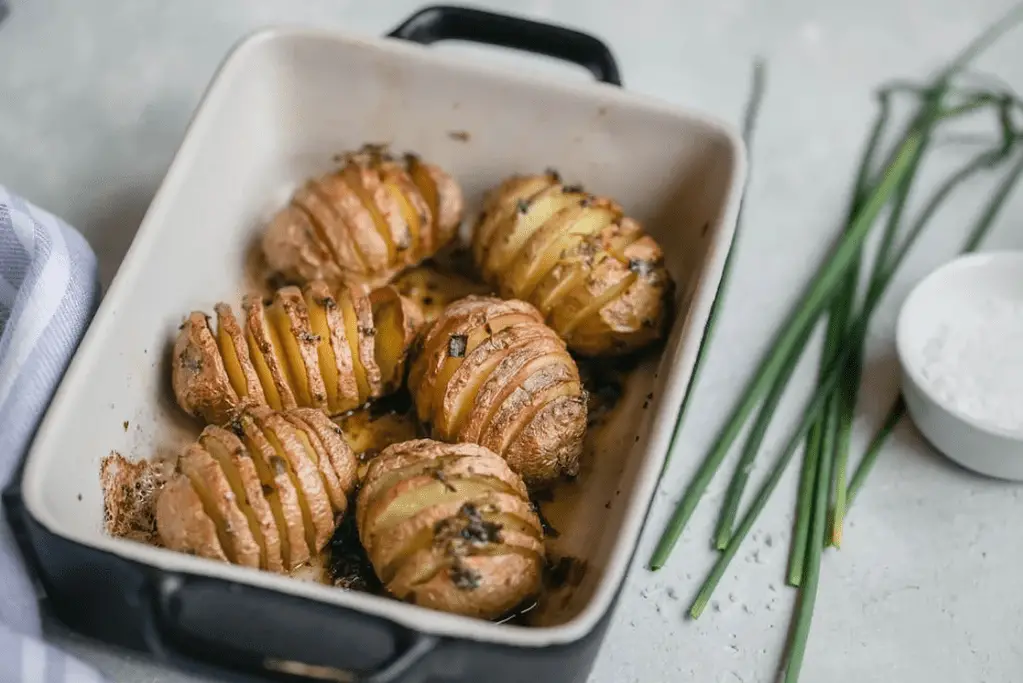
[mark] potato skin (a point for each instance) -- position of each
(283, 363)
(473, 382)
(198, 377)
(602, 287)
(274, 507)
(347, 228)
(182, 522)
(477, 554)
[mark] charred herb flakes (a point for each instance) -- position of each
(457, 344)
(465, 578)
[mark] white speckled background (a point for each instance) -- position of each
(94, 98)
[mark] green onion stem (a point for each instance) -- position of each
(752, 446)
(750, 117)
(803, 317)
(811, 573)
(895, 414)
(812, 411)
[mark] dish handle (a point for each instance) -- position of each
(443, 22)
(171, 641)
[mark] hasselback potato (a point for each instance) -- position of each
(305, 348)
(491, 372)
(266, 493)
(596, 277)
(450, 526)
(366, 222)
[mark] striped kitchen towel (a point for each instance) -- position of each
(48, 293)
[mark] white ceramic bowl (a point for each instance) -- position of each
(951, 296)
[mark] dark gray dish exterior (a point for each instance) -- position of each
(235, 632)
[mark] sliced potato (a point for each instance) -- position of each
(334, 458)
(241, 472)
(267, 355)
(317, 514)
(295, 247)
(290, 317)
(414, 208)
(362, 230)
(182, 521)
(363, 175)
(235, 352)
(445, 541)
(280, 492)
(396, 321)
(333, 349)
(579, 263)
(331, 227)
(443, 197)
(465, 390)
(200, 381)
(218, 499)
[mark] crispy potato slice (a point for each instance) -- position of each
(182, 521)
(200, 380)
(544, 249)
(334, 352)
(489, 474)
(290, 317)
(565, 276)
(362, 230)
(317, 514)
(363, 175)
(457, 392)
(235, 352)
(556, 434)
(218, 499)
(296, 246)
(334, 458)
(240, 471)
(500, 205)
(357, 313)
(415, 533)
(279, 491)
(414, 208)
(484, 585)
(443, 196)
(520, 362)
(266, 356)
(330, 225)
(511, 236)
(450, 335)
(396, 321)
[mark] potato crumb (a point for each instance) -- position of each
(129, 496)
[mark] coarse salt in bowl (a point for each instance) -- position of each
(960, 342)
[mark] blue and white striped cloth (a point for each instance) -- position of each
(48, 293)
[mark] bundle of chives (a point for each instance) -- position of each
(827, 419)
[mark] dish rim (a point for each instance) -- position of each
(675, 371)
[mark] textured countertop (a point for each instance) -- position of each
(94, 98)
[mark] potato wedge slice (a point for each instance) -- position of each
(443, 196)
(182, 521)
(295, 246)
(358, 316)
(414, 208)
(220, 503)
(396, 321)
(235, 352)
(266, 354)
(511, 236)
(457, 391)
(333, 349)
(520, 362)
(362, 174)
(545, 248)
(241, 473)
(330, 224)
(280, 493)
(290, 317)
(500, 205)
(317, 514)
(334, 459)
(200, 380)
(485, 585)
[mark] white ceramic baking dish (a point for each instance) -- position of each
(282, 104)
